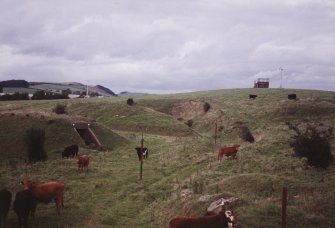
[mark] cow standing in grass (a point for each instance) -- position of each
(5, 201)
(70, 151)
(45, 192)
(142, 152)
(24, 204)
(252, 96)
(210, 221)
(227, 151)
(292, 96)
(83, 161)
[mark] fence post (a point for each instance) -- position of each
(141, 166)
(284, 203)
(216, 130)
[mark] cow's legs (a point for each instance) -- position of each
(58, 202)
(33, 209)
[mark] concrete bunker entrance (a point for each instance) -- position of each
(86, 133)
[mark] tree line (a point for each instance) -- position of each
(38, 95)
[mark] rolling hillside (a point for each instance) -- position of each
(180, 136)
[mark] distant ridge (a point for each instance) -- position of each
(130, 94)
(106, 90)
(55, 87)
(15, 83)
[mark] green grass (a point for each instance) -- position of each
(111, 194)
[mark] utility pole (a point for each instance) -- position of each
(281, 76)
(86, 89)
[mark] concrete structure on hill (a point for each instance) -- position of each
(262, 83)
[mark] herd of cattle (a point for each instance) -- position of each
(33, 193)
(291, 96)
(26, 200)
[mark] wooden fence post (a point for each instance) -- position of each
(216, 130)
(284, 203)
(141, 165)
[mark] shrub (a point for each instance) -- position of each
(60, 109)
(130, 101)
(198, 187)
(15, 96)
(35, 145)
(189, 123)
(42, 95)
(313, 144)
(207, 106)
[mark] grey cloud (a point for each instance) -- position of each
(167, 46)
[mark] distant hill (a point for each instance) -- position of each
(12, 86)
(102, 90)
(15, 83)
(131, 94)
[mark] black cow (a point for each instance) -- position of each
(292, 96)
(145, 152)
(5, 200)
(24, 203)
(252, 96)
(70, 151)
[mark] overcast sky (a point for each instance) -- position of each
(167, 46)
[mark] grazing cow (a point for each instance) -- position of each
(83, 161)
(227, 151)
(213, 221)
(292, 96)
(45, 192)
(5, 200)
(70, 151)
(144, 153)
(24, 203)
(252, 96)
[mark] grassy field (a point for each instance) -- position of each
(180, 158)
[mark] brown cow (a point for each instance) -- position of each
(213, 221)
(83, 161)
(227, 151)
(45, 192)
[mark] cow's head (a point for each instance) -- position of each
(26, 184)
(236, 146)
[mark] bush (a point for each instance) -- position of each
(313, 144)
(189, 123)
(35, 145)
(206, 107)
(60, 109)
(198, 187)
(130, 101)
(42, 95)
(15, 96)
